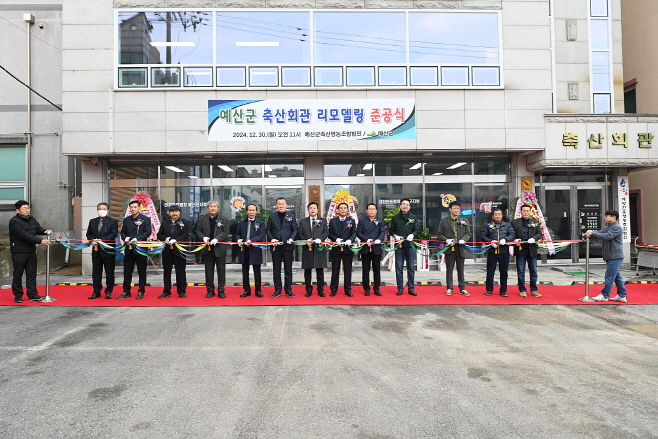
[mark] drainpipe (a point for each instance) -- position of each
(29, 20)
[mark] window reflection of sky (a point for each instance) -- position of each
(453, 38)
(288, 29)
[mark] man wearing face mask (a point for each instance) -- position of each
(136, 228)
(404, 227)
(104, 229)
(23, 231)
(170, 232)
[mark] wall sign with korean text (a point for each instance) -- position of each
(311, 119)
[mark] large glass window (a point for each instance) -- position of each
(174, 37)
(453, 38)
(601, 66)
(394, 168)
(361, 195)
(339, 168)
(237, 171)
(388, 196)
(437, 193)
(273, 170)
(359, 37)
(263, 38)
(448, 167)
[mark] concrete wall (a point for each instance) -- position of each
(50, 203)
(645, 180)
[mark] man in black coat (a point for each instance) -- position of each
(500, 234)
(102, 228)
(455, 232)
(136, 227)
(23, 231)
(371, 231)
(527, 232)
(212, 229)
(282, 227)
(250, 229)
(342, 230)
(170, 232)
(314, 229)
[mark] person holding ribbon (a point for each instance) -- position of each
(136, 228)
(102, 228)
(527, 232)
(282, 228)
(404, 227)
(372, 232)
(250, 229)
(499, 233)
(170, 232)
(213, 230)
(23, 231)
(342, 231)
(455, 232)
(315, 230)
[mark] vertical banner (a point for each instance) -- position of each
(314, 196)
(624, 211)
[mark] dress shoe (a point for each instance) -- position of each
(209, 294)
(413, 293)
(488, 293)
(535, 294)
(123, 295)
(221, 295)
(108, 295)
(245, 294)
(161, 296)
(290, 294)
(36, 299)
(182, 295)
(449, 292)
(399, 293)
(259, 294)
(348, 294)
(377, 292)
(503, 294)
(140, 295)
(321, 293)
(333, 293)
(18, 300)
(366, 293)
(276, 294)
(308, 294)
(94, 296)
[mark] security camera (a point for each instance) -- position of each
(41, 26)
(95, 161)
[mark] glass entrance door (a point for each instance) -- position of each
(294, 198)
(558, 215)
(590, 217)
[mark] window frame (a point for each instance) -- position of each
(15, 184)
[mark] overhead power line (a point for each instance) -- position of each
(31, 89)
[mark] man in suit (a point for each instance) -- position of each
(315, 230)
(250, 229)
(170, 232)
(455, 232)
(527, 231)
(23, 231)
(136, 227)
(404, 227)
(371, 231)
(499, 233)
(212, 229)
(342, 230)
(102, 228)
(282, 227)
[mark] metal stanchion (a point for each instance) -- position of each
(48, 298)
(587, 298)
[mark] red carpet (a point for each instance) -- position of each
(427, 295)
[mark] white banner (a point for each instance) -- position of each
(624, 208)
(311, 119)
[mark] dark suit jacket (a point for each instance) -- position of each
(369, 230)
(338, 229)
(493, 232)
(180, 233)
(108, 234)
(446, 232)
(221, 233)
(534, 231)
(315, 258)
(132, 230)
(282, 232)
(256, 235)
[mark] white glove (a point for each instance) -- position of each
(339, 240)
(289, 241)
(134, 240)
(275, 240)
(531, 241)
(206, 239)
(370, 240)
(377, 241)
(494, 245)
(348, 242)
(517, 240)
(317, 240)
(494, 242)
(397, 238)
(167, 240)
(172, 241)
(94, 242)
(248, 242)
(410, 237)
(450, 241)
(214, 241)
(461, 241)
(502, 242)
(49, 232)
(239, 242)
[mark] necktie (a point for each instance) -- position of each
(342, 219)
(172, 227)
(249, 224)
(100, 224)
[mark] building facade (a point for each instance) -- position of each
(476, 99)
